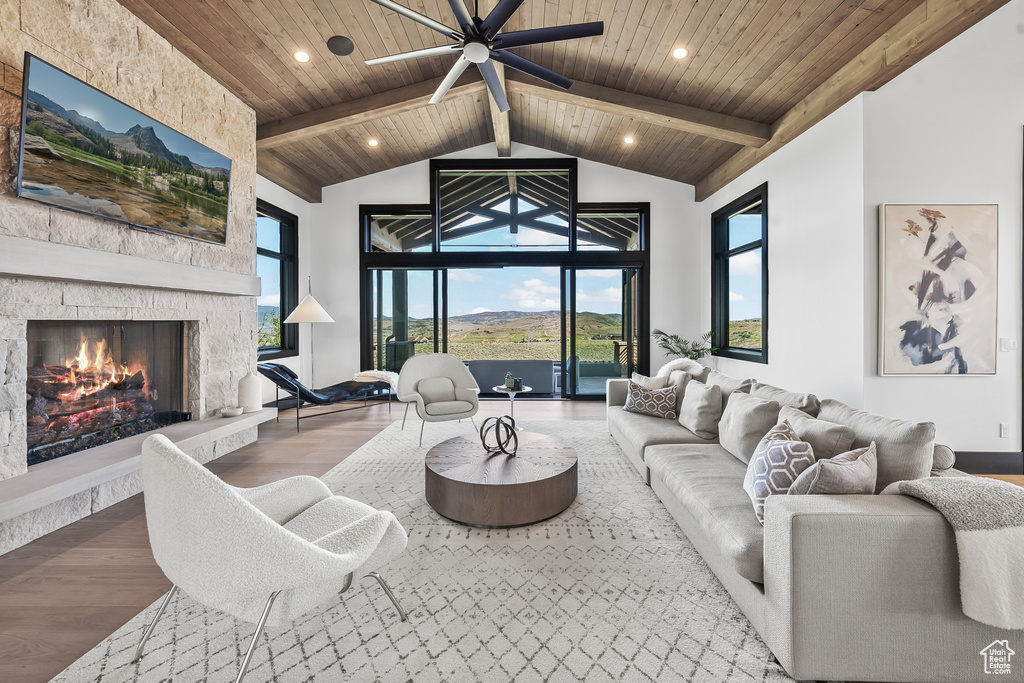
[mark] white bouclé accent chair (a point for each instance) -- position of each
(266, 554)
(441, 387)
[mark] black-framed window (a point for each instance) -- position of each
(277, 246)
(739, 277)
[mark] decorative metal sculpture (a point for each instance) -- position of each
(504, 429)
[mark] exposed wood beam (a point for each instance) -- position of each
(499, 119)
(357, 112)
(273, 168)
(929, 26)
(647, 109)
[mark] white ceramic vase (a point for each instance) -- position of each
(249, 395)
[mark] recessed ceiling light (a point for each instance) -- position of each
(301, 56)
(628, 140)
(680, 52)
(372, 142)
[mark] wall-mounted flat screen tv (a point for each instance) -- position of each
(84, 151)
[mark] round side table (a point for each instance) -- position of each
(502, 389)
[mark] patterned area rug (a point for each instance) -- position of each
(610, 590)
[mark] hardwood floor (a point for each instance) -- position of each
(62, 594)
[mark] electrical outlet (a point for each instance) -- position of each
(1007, 344)
(1004, 431)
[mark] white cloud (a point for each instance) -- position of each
(747, 263)
(535, 293)
(463, 276)
(551, 270)
(599, 273)
(269, 300)
(735, 298)
(480, 309)
(531, 237)
(611, 294)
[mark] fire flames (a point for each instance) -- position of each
(91, 374)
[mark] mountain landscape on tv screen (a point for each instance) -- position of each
(72, 161)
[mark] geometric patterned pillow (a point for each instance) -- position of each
(776, 463)
(659, 402)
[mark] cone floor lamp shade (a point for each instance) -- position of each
(309, 310)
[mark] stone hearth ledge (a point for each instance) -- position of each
(56, 493)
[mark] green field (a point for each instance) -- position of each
(745, 334)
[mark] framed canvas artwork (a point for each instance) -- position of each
(937, 289)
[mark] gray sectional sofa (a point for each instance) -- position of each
(848, 588)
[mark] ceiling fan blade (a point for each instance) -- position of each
(547, 35)
(419, 18)
(461, 64)
(514, 61)
(464, 17)
(499, 16)
(415, 54)
(490, 75)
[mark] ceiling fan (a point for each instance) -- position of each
(480, 43)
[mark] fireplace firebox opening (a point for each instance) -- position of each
(93, 382)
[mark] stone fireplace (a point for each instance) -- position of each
(95, 382)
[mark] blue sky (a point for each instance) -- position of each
(476, 290)
(116, 117)
(745, 269)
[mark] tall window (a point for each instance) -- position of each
(739, 277)
(277, 267)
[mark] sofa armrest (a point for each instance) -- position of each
(875, 578)
(615, 392)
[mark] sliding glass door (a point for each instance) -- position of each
(403, 313)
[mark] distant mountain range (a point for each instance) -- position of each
(136, 140)
(510, 324)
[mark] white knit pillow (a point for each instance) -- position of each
(651, 383)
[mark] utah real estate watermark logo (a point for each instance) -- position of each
(997, 657)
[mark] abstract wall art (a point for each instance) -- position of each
(937, 289)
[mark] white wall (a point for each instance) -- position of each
(335, 258)
(949, 131)
(285, 200)
(815, 257)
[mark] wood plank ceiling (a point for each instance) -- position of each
(758, 73)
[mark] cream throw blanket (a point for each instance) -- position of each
(987, 517)
(377, 376)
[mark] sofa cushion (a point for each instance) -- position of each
(438, 408)
(777, 461)
(436, 389)
(659, 402)
(746, 419)
(904, 449)
(677, 379)
(707, 481)
(808, 403)
(729, 384)
(640, 431)
(701, 409)
(650, 383)
(826, 438)
(943, 457)
(850, 473)
(690, 367)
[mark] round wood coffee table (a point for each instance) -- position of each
(470, 486)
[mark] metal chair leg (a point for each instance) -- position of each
(387, 591)
(405, 415)
(256, 637)
(152, 624)
(474, 423)
(422, 425)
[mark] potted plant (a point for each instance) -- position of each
(509, 381)
(674, 345)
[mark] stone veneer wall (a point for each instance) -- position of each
(103, 44)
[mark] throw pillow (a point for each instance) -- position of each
(677, 379)
(745, 421)
(434, 389)
(850, 473)
(729, 384)
(651, 383)
(904, 449)
(777, 461)
(828, 439)
(701, 409)
(808, 403)
(659, 402)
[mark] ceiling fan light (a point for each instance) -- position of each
(476, 52)
(301, 57)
